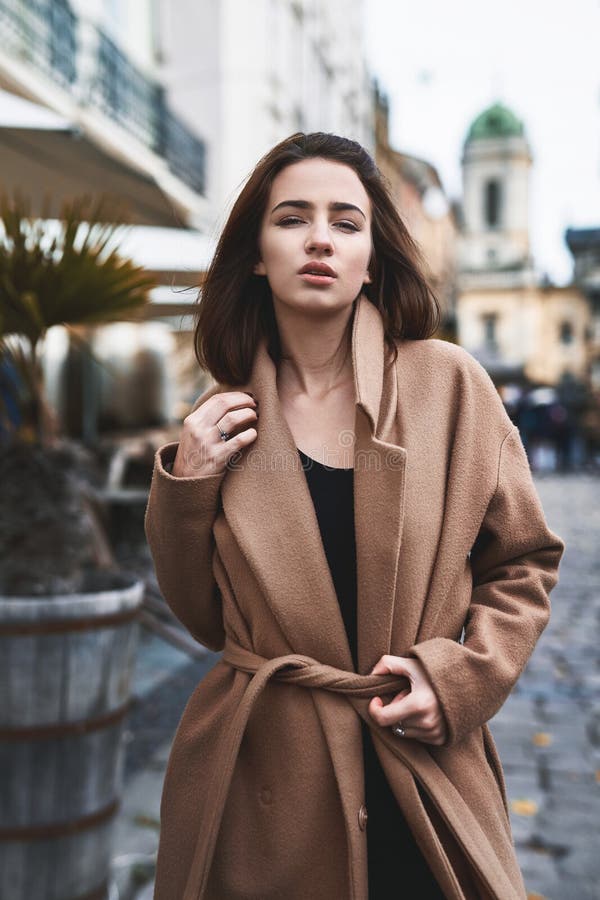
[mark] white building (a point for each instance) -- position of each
(248, 74)
(179, 97)
(92, 63)
(167, 105)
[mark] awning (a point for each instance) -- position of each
(45, 155)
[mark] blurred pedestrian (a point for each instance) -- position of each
(349, 515)
(10, 390)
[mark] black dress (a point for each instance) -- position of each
(394, 859)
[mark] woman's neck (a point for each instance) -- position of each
(315, 357)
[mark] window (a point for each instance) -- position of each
(492, 203)
(490, 321)
(566, 332)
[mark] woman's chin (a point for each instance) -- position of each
(314, 300)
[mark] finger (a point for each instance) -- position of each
(426, 726)
(377, 704)
(435, 737)
(395, 665)
(219, 405)
(237, 398)
(227, 403)
(406, 709)
(398, 696)
(382, 667)
(226, 453)
(237, 420)
(240, 440)
(216, 453)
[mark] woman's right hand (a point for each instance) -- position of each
(201, 449)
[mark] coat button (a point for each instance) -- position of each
(362, 817)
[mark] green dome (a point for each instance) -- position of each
(496, 121)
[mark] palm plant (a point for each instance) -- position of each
(66, 273)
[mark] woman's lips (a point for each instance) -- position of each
(317, 279)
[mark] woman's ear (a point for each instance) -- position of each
(367, 279)
(259, 268)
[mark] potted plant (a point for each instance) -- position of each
(67, 619)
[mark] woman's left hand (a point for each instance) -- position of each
(417, 708)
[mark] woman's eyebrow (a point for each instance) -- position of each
(306, 204)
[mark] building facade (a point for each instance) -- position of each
(521, 328)
(250, 74)
(422, 203)
(92, 64)
(584, 244)
(166, 107)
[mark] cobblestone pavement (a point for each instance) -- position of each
(165, 679)
(548, 731)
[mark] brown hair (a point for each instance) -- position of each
(235, 305)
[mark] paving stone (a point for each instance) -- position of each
(539, 873)
(558, 846)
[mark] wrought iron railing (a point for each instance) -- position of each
(46, 34)
(183, 151)
(42, 33)
(122, 92)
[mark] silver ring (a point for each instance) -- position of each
(398, 730)
(224, 434)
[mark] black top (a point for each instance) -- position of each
(392, 851)
(332, 494)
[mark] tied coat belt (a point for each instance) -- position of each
(303, 671)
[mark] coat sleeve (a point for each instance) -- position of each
(178, 525)
(514, 564)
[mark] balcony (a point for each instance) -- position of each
(81, 59)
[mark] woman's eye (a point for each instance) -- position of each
(294, 220)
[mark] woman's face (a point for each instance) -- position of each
(318, 215)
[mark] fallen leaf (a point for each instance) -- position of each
(542, 739)
(146, 821)
(524, 807)
(535, 896)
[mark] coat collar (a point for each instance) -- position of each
(268, 506)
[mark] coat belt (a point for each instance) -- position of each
(304, 671)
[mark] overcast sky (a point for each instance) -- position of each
(441, 63)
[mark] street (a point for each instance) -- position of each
(548, 731)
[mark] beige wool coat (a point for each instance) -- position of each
(264, 793)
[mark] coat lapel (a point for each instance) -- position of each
(379, 488)
(269, 509)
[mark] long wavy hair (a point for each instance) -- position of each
(235, 306)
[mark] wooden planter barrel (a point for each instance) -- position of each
(65, 669)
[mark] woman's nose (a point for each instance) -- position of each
(319, 237)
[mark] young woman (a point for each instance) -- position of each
(350, 516)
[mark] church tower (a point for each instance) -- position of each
(496, 162)
(522, 331)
